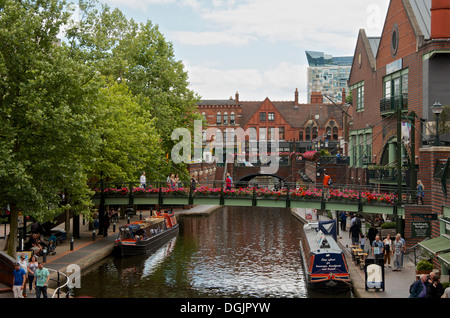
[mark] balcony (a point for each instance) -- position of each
(390, 104)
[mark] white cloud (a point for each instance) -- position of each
(293, 21)
(209, 38)
(144, 4)
(278, 83)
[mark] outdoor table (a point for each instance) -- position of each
(362, 258)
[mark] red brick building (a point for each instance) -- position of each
(406, 68)
(296, 122)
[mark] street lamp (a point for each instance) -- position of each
(437, 109)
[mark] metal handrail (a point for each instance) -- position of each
(414, 248)
(58, 289)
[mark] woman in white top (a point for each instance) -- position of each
(387, 250)
(32, 266)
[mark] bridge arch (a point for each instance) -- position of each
(259, 180)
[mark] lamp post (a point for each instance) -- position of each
(437, 109)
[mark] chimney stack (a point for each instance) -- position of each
(316, 98)
(237, 98)
(440, 19)
(344, 96)
(296, 98)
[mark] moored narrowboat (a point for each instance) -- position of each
(325, 263)
(145, 235)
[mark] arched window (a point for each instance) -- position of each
(204, 115)
(307, 134)
(225, 118)
(232, 118)
(219, 118)
(315, 132)
(335, 133)
(328, 133)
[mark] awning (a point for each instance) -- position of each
(445, 258)
(436, 245)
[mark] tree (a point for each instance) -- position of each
(46, 112)
(138, 55)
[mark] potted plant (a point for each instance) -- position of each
(388, 228)
(424, 267)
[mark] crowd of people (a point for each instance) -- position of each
(32, 272)
(428, 286)
(389, 250)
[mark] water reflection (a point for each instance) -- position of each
(235, 252)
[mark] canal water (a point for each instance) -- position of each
(234, 252)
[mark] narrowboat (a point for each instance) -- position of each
(145, 235)
(325, 264)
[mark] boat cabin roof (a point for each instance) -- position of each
(142, 224)
(320, 242)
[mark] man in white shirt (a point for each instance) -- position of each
(143, 180)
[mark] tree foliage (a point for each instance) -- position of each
(100, 102)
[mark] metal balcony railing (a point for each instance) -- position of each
(390, 104)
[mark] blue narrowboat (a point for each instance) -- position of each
(325, 263)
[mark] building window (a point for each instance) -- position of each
(308, 134)
(219, 119)
(315, 132)
(335, 133)
(232, 118)
(281, 133)
(262, 116)
(300, 135)
(271, 133)
(225, 118)
(252, 134)
(396, 84)
(262, 133)
(271, 116)
(360, 98)
(204, 115)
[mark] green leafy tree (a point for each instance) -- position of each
(46, 111)
(138, 55)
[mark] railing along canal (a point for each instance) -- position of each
(336, 197)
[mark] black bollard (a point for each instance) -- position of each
(71, 243)
(114, 226)
(93, 235)
(44, 253)
(140, 215)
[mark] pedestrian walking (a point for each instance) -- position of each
(420, 192)
(19, 280)
(354, 233)
(228, 182)
(362, 242)
(193, 183)
(403, 250)
(378, 249)
(32, 266)
(371, 234)
(326, 184)
(387, 250)
(24, 265)
(343, 220)
(143, 180)
(41, 283)
(397, 250)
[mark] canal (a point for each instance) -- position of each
(234, 252)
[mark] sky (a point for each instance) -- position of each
(255, 47)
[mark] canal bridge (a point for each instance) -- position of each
(337, 198)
